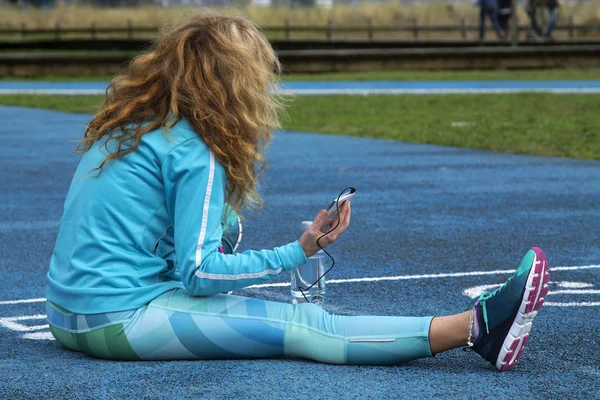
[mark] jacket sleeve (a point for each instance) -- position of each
(194, 184)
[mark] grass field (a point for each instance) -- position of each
(541, 124)
(399, 75)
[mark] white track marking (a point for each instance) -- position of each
(593, 266)
(377, 279)
(426, 276)
(573, 285)
(38, 336)
(575, 291)
(38, 300)
(12, 324)
(476, 291)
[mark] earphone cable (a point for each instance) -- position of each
(337, 207)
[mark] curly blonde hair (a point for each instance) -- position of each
(215, 70)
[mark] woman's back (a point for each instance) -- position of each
(115, 247)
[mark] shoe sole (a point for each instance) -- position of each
(535, 292)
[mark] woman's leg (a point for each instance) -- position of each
(449, 332)
(552, 20)
(178, 326)
(493, 13)
(482, 17)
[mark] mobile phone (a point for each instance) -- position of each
(332, 208)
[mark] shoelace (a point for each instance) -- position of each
(483, 297)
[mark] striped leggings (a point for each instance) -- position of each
(178, 326)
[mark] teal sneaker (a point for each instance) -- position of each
(504, 316)
(232, 230)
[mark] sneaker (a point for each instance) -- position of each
(232, 230)
(504, 316)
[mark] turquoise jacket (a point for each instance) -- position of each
(149, 223)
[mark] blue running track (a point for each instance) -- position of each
(428, 223)
(350, 87)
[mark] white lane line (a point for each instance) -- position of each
(38, 336)
(11, 323)
(26, 317)
(38, 300)
(573, 285)
(374, 279)
(593, 266)
(477, 290)
(329, 92)
(573, 304)
(575, 291)
(426, 276)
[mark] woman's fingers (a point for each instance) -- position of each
(344, 218)
(321, 224)
(344, 215)
(319, 220)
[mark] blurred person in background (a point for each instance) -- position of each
(488, 8)
(543, 16)
(552, 9)
(504, 14)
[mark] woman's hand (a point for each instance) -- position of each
(308, 240)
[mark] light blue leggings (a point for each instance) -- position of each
(178, 326)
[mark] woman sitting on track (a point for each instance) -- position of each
(139, 268)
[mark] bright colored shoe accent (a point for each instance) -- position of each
(508, 312)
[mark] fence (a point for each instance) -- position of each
(287, 31)
(334, 60)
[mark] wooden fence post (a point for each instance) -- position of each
(370, 29)
(571, 27)
(329, 32)
(23, 31)
(415, 28)
(463, 28)
(94, 31)
(130, 29)
(287, 26)
(57, 30)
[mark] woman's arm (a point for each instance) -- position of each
(194, 187)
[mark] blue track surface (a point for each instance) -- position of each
(380, 86)
(419, 209)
